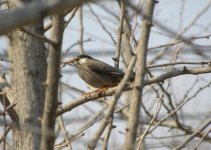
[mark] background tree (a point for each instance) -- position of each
(165, 43)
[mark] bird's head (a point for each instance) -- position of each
(78, 60)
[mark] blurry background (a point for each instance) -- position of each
(92, 28)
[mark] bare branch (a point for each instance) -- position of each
(81, 30)
(180, 41)
(35, 11)
(111, 91)
(107, 133)
(158, 106)
(139, 77)
(103, 26)
(9, 101)
(179, 63)
(119, 36)
(51, 96)
(43, 38)
(200, 129)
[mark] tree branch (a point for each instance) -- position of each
(51, 96)
(119, 35)
(9, 100)
(141, 51)
(84, 99)
(203, 126)
(35, 11)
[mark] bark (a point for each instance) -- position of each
(28, 76)
(35, 11)
(29, 72)
(51, 98)
(139, 78)
(7, 100)
(126, 49)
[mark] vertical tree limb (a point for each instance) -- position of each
(139, 78)
(51, 97)
(119, 36)
(81, 29)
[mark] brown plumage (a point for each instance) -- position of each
(95, 72)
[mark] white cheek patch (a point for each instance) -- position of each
(82, 60)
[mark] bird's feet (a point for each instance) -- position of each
(100, 91)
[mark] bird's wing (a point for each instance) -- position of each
(103, 68)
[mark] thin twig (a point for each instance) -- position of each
(132, 39)
(5, 133)
(180, 41)
(81, 30)
(75, 44)
(65, 132)
(179, 107)
(43, 38)
(71, 17)
(103, 26)
(180, 63)
(158, 106)
(206, 8)
(119, 35)
(107, 133)
(64, 144)
(199, 130)
(201, 140)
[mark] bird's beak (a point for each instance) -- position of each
(69, 62)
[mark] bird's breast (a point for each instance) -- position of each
(91, 78)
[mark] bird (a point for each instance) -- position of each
(96, 73)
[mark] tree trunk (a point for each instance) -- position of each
(28, 76)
